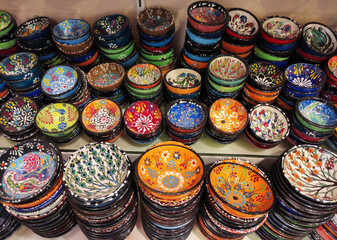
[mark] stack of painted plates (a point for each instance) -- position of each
(313, 121)
(143, 121)
(278, 39)
(114, 38)
(268, 126)
(301, 80)
(144, 83)
(237, 200)
(170, 178)
(227, 119)
(240, 34)
(9, 225)
(182, 83)
(59, 122)
(226, 76)
(185, 120)
(205, 26)
(326, 231)
(8, 42)
(156, 32)
(32, 189)
(263, 85)
(100, 190)
(102, 120)
(106, 81)
(303, 181)
(329, 91)
(34, 35)
(17, 118)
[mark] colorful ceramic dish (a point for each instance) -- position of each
(111, 27)
(242, 23)
(5, 22)
(71, 29)
(33, 28)
(332, 68)
(144, 75)
(279, 29)
(266, 76)
(183, 81)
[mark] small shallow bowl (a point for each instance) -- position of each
(111, 27)
(278, 47)
(297, 94)
(183, 81)
(144, 75)
(160, 63)
(121, 55)
(258, 97)
(224, 87)
(156, 49)
(195, 64)
(310, 56)
(71, 31)
(196, 57)
(211, 35)
(242, 23)
(75, 49)
(33, 29)
(6, 23)
(201, 48)
(148, 37)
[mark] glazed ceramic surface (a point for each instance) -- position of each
(242, 22)
(144, 74)
(97, 171)
(208, 15)
(155, 19)
(106, 74)
(332, 65)
(111, 24)
(281, 28)
(143, 117)
(5, 20)
(19, 63)
(305, 75)
(71, 29)
(228, 68)
(266, 74)
(33, 26)
(228, 115)
(183, 78)
(312, 172)
(18, 114)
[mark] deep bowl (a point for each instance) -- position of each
(33, 29)
(144, 75)
(111, 27)
(242, 23)
(183, 81)
(27, 82)
(72, 31)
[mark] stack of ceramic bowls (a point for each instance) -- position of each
(268, 126)
(170, 177)
(205, 26)
(301, 80)
(32, 189)
(227, 119)
(263, 85)
(185, 120)
(278, 39)
(240, 34)
(329, 91)
(237, 200)
(34, 35)
(17, 118)
(156, 32)
(318, 42)
(73, 38)
(326, 231)
(8, 42)
(9, 225)
(144, 83)
(182, 83)
(59, 122)
(102, 120)
(143, 121)
(106, 81)
(313, 121)
(226, 76)
(114, 38)
(99, 187)
(5, 93)
(303, 181)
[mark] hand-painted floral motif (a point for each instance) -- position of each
(312, 172)
(332, 65)
(228, 68)
(156, 23)
(71, 29)
(305, 75)
(242, 22)
(266, 74)
(184, 79)
(282, 28)
(110, 25)
(208, 15)
(155, 19)
(18, 63)
(144, 74)
(32, 26)
(60, 79)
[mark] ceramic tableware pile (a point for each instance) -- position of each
(240, 34)
(143, 121)
(327, 231)
(206, 23)
(170, 177)
(237, 199)
(114, 38)
(185, 120)
(102, 120)
(8, 41)
(156, 28)
(144, 83)
(9, 225)
(99, 186)
(268, 126)
(32, 189)
(227, 120)
(329, 91)
(303, 180)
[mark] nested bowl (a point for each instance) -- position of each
(236, 48)
(121, 55)
(156, 55)
(162, 63)
(258, 97)
(267, 56)
(111, 27)
(161, 43)
(75, 49)
(242, 24)
(118, 42)
(26, 83)
(33, 29)
(72, 31)
(331, 68)
(7, 23)
(144, 75)
(183, 81)
(193, 35)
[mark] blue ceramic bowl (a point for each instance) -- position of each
(287, 101)
(36, 43)
(35, 93)
(72, 31)
(278, 47)
(48, 56)
(33, 28)
(296, 94)
(83, 58)
(202, 40)
(2, 86)
(129, 61)
(196, 57)
(279, 64)
(111, 27)
(118, 42)
(26, 83)
(305, 48)
(154, 38)
(306, 130)
(161, 43)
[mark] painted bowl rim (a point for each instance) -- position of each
(24, 25)
(109, 16)
(252, 15)
(181, 69)
(70, 38)
(288, 18)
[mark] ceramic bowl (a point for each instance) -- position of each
(278, 63)
(200, 39)
(242, 23)
(309, 55)
(118, 42)
(235, 48)
(155, 21)
(161, 43)
(267, 56)
(71, 31)
(33, 29)
(156, 55)
(111, 27)
(201, 48)
(288, 91)
(156, 49)
(144, 75)
(8, 44)
(160, 63)
(224, 88)
(195, 64)
(278, 47)
(183, 81)
(76, 49)
(280, 54)
(6, 24)
(158, 38)
(329, 93)
(258, 97)
(207, 16)
(26, 83)
(130, 61)
(332, 68)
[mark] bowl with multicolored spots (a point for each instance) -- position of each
(71, 31)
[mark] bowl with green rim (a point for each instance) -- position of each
(116, 50)
(263, 55)
(7, 44)
(160, 63)
(121, 55)
(223, 88)
(142, 90)
(6, 23)
(183, 81)
(224, 81)
(156, 56)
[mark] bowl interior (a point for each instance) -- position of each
(305, 75)
(332, 66)
(242, 22)
(32, 26)
(183, 78)
(228, 68)
(19, 63)
(266, 74)
(71, 29)
(281, 28)
(144, 74)
(207, 13)
(155, 19)
(5, 20)
(111, 24)
(106, 75)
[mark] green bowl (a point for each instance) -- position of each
(225, 89)
(159, 63)
(261, 54)
(116, 50)
(156, 57)
(225, 82)
(62, 134)
(8, 44)
(122, 55)
(143, 91)
(7, 23)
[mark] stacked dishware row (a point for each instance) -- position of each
(329, 91)
(74, 39)
(313, 121)
(227, 120)
(226, 75)
(303, 180)
(99, 186)
(9, 225)
(106, 81)
(32, 189)
(170, 177)
(34, 35)
(327, 231)
(114, 38)
(240, 34)
(59, 122)
(156, 28)
(8, 42)
(278, 40)
(205, 26)
(236, 201)
(143, 121)
(17, 117)
(264, 84)
(102, 120)
(268, 126)
(144, 83)
(301, 80)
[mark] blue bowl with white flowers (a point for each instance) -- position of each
(71, 31)
(111, 27)
(29, 82)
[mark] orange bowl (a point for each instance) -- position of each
(260, 92)
(195, 64)
(257, 97)
(183, 81)
(236, 48)
(242, 55)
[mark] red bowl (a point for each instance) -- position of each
(156, 49)
(309, 56)
(305, 136)
(330, 82)
(328, 95)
